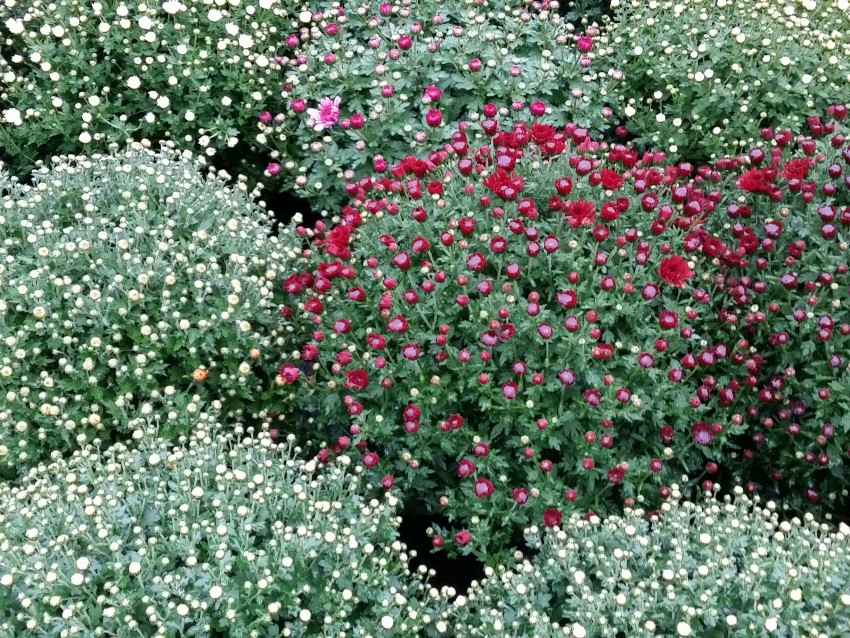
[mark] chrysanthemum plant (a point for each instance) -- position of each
(511, 328)
(128, 279)
(75, 76)
(782, 291)
(709, 569)
(216, 535)
(367, 83)
(702, 76)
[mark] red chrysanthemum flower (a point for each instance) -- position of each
(397, 324)
(482, 488)
(579, 213)
(465, 468)
(701, 433)
(376, 341)
(509, 390)
(506, 186)
(611, 179)
(797, 168)
(541, 133)
(289, 373)
(520, 495)
(668, 319)
(754, 180)
(552, 517)
(615, 475)
(336, 242)
(674, 270)
(462, 538)
(370, 459)
(356, 379)
(480, 449)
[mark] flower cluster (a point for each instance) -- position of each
(128, 279)
(77, 76)
(736, 567)
(365, 82)
(215, 535)
(703, 75)
(782, 292)
(514, 326)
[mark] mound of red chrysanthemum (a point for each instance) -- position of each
(520, 322)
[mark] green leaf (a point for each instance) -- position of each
(843, 423)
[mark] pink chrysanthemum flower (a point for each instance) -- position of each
(326, 115)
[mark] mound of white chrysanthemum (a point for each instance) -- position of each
(216, 536)
(128, 279)
(734, 567)
(701, 76)
(78, 75)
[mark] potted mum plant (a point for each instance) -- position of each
(511, 327)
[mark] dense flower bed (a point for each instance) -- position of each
(547, 342)
(75, 80)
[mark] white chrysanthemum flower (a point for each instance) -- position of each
(13, 117)
(134, 82)
(214, 15)
(15, 26)
(246, 41)
(173, 6)
(231, 29)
